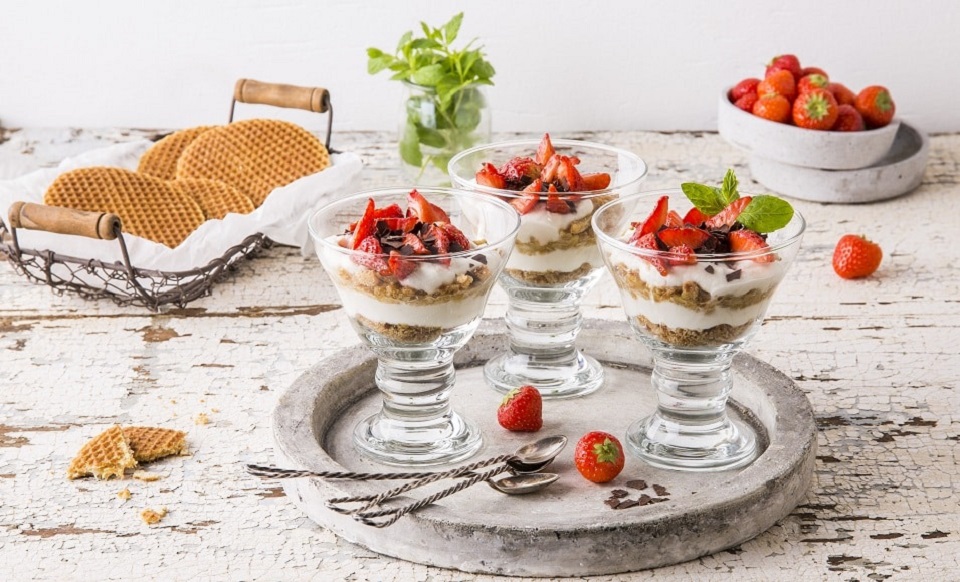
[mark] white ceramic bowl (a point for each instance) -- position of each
(788, 144)
(897, 173)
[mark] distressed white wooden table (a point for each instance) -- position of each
(878, 359)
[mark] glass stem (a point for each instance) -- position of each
(692, 392)
(416, 393)
(546, 333)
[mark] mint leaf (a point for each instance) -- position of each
(766, 214)
(728, 192)
(377, 64)
(410, 146)
(707, 199)
(429, 75)
(452, 28)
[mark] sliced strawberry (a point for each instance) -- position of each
(649, 242)
(520, 170)
(597, 181)
(526, 202)
(392, 211)
(545, 151)
(441, 243)
(745, 241)
(568, 175)
(400, 266)
(415, 244)
(550, 169)
(689, 236)
(695, 217)
(366, 225)
(418, 206)
(557, 205)
(673, 219)
(488, 175)
(402, 224)
(729, 215)
(457, 238)
(681, 255)
(370, 255)
(653, 222)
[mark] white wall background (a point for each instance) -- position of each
(563, 65)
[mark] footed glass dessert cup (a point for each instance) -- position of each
(414, 270)
(695, 311)
(556, 260)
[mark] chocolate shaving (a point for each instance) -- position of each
(612, 502)
(709, 269)
(618, 493)
(660, 490)
(480, 258)
(627, 504)
(638, 484)
(734, 275)
(644, 499)
(659, 499)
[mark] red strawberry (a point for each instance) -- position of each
(402, 224)
(842, 94)
(814, 81)
(673, 219)
(815, 109)
(649, 242)
(772, 107)
(812, 71)
(875, 105)
(416, 245)
(520, 170)
(456, 236)
(400, 266)
(366, 225)
(688, 236)
(370, 255)
(848, 119)
(557, 205)
(742, 88)
(568, 176)
(392, 211)
(521, 410)
(745, 241)
(694, 217)
(653, 222)
(489, 176)
(681, 255)
(550, 169)
(545, 150)
(427, 212)
(855, 256)
(526, 202)
(785, 62)
(747, 102)
(441, 243)
(728, 215)
(597, 181)
(599, 456)
(779, 83)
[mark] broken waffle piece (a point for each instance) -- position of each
(201, 419)
(150, 443)
(150, 517)
(106, 455)
(146, 476)
(124, 494)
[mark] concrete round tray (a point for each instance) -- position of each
(566, 529)
(898, 172)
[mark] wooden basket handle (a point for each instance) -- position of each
(315, 99)
(98, 225)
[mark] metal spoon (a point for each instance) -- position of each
(534, 456)
(523, 483)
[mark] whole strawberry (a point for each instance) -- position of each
(815, 109)
(521, 410)
(856, 257)
(778, 82)
(747, 102)
(772, 107)
(787, 63)
(875, 105)
(842, 94)
(599, 456)
(742, 88)
(812, 71)
(848, 119)
(812, 81)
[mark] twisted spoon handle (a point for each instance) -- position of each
(278, 473)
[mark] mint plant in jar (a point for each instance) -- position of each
(444, 103)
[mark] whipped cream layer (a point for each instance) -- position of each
(563, 260)
(545, 226)
(753, 275)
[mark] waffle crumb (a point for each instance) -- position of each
(146, 476)
(151, 517)
(124, 494)
(201, 418)
(214, 410)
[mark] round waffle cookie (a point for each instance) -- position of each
(255, 155)
(216, 199)
(104, 456)
(160, 161)
(149, 207)
(150, 443)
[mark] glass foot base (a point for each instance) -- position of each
(578, 377)
(668, 445)
(406, 444)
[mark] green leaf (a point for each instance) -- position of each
(452, 28)
(424, 43)
(707, 199)
(431, 137)
(374, 53)
(484, 71)
(441, 161)
(427, 31)
(404, 40)
(766, 214)
(377, 64)
(429, 75)
(410, 146)
(728, 193)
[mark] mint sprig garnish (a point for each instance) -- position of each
(765, 213)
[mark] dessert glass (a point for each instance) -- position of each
(415, 325)
(554, 264)
(695, 319)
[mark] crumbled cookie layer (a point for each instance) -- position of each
(717, 335)
(550, 277)
(407, 334)
(387, 289)
(689, 295)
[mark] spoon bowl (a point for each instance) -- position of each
(523, 483)
(534, 456)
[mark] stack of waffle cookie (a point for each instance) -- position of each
(195, 175)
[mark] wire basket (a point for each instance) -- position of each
(120, 281)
